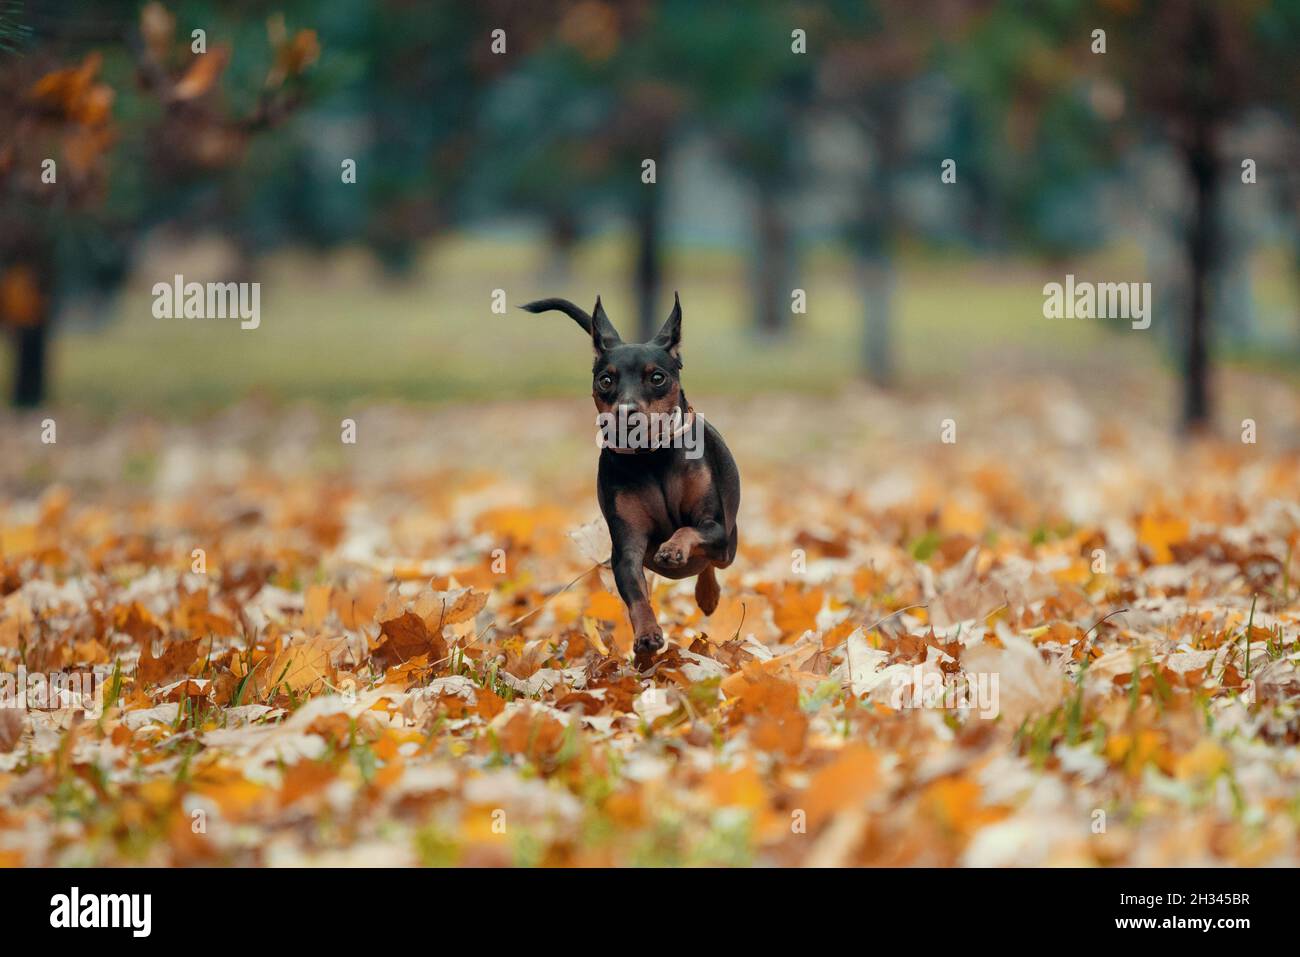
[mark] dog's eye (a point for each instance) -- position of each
(606, 382)
(658, 379)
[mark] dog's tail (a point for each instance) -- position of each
(578, 315)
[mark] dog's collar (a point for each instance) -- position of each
(688, 423)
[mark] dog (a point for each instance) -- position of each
(670, 507)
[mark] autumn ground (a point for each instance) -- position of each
(380, 662)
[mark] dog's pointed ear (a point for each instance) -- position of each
(603, 334)
(669, 338)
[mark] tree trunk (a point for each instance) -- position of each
(1200, 159)
(771, 282)
(875, 242)
(876, 280)
(26, 307)
(562, 236)
(649, 264)
(30, 364)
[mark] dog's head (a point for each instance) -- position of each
(629, 377)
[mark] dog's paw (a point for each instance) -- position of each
(671, 555)
(648, 642)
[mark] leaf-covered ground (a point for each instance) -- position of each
(400, 651)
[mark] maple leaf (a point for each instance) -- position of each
(795, 609)
(317, 682)
(1157, 533)
(406, 637)
(442, 608)
(136, 621)
(174, 662)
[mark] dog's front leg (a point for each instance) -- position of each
(629, 575)
(708, 537)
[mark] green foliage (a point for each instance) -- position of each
(14, 31)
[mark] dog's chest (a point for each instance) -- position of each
(668, 501)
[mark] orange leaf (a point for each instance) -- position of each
(727, 619)
(21, 303)
(532, 733)
(408, 636)
(796, 610)
(202, 74)
(174, 662)
(1157, 533)
(840, 784)
(605, 607)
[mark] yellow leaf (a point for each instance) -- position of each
(1156, 534)
(1205, 761)
(300, 667)
(593, 635)
(317, 607)
(17, 540)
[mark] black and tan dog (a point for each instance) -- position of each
(670, 503)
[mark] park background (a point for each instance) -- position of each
(344, 568)
(522, 171)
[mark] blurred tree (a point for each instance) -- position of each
(1175, 73)
(13, 31)
(531, 156)
(566, 133)
(89, 161)
(1041, 145)
(49, 117)
(747, 87)
(610, 85)
(875, 51)
(1195, 67)
(543, 147)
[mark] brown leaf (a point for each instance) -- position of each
(173, 663)
(489, 703)
(136, 621)
(442, 608)
(405, 637)
(532, 733)
(11, 728)
(304, 779)
(727, 619)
